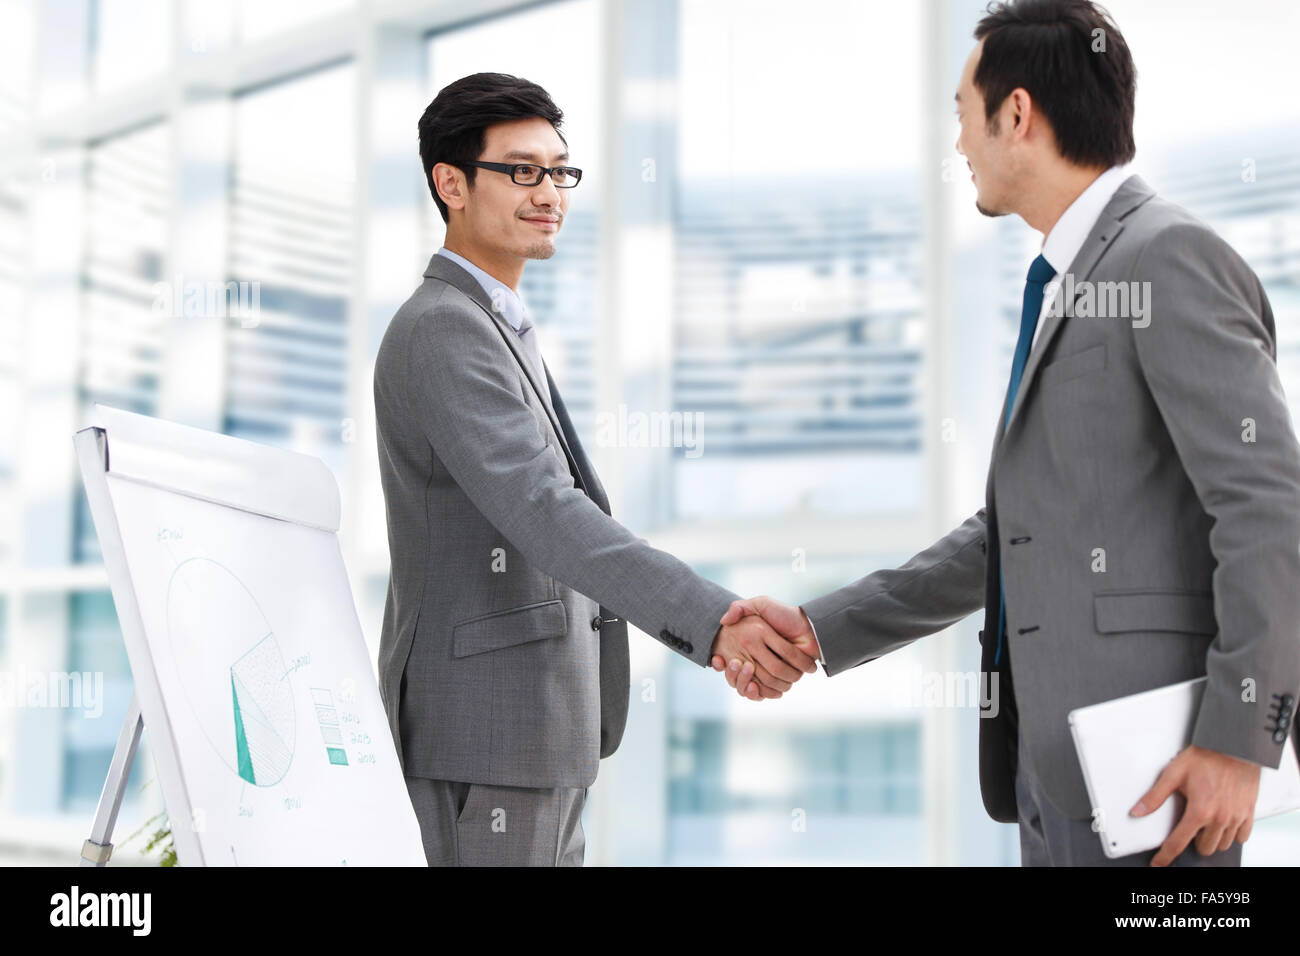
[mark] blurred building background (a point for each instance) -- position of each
(773, 233)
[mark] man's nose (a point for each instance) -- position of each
(545, 193)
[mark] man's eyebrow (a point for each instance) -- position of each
(532, 157)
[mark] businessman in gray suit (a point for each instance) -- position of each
(1142, 512)
(503, 660)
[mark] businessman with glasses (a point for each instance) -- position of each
(503, 660)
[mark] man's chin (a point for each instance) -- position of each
(540, 250)
(986, 211)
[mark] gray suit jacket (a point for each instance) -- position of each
(494, 666)
(1144, 502)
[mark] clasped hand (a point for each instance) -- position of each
(763, 647)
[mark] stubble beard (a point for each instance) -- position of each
(539, 250)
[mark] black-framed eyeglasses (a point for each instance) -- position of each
(530, 174)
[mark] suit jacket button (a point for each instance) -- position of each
(1288, 700)
(595, 623)
(1279, 736)
(664, 635)
(1284, 721)
(688, 647)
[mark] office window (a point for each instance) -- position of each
(14, 265)
(96, 652)
(290, 235)
(846, 769)
(130, 41)
(797, 339)
(128, 185)
(257, 19)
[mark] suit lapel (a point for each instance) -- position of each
(586, 473)
(440, 267)
(1132, 193)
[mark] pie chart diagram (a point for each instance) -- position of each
(232, 670)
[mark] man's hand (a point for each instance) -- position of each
(1221, 792)
(773, 662)
(789, 622)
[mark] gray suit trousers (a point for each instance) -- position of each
(474, 824)
(1050, 838)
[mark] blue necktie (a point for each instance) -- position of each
(1040, 273)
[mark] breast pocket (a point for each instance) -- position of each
(1155, 609)
(1073, 366)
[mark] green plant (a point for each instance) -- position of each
(159, 839)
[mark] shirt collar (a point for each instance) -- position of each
(1071, 230)
(503, 297)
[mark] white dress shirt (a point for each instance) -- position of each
(506, 299)
(1067, 237)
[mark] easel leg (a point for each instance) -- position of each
(97, 850)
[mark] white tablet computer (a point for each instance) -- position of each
(1123, 746)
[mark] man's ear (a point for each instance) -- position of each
(450, 185)
(1021, 108)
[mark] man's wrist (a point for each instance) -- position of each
(817, 645)
(1245, 762)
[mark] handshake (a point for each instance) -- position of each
(764, 646)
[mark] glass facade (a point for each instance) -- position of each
(290, 260)
(779, 269)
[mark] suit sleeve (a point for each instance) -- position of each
(1207, 352)
(891, 608)
(464, 393)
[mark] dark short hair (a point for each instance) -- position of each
(453, 127)
(1046, 47)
